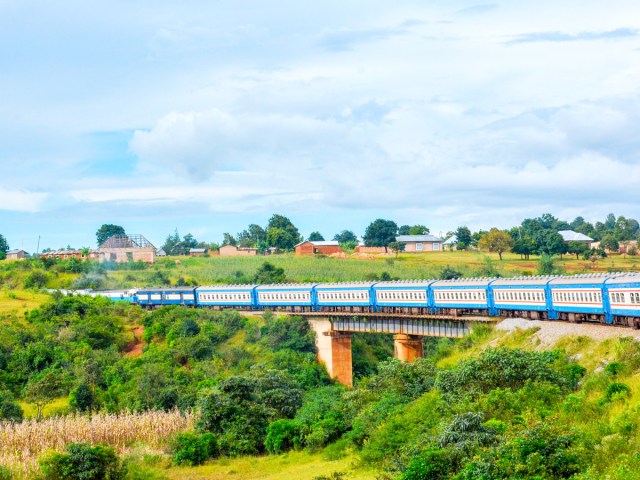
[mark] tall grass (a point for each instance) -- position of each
(22, 443)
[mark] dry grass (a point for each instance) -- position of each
(22, 443)
(18, 301)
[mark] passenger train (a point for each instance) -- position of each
(612, 298)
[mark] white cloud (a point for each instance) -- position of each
(21, 201)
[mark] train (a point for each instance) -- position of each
(609, 298)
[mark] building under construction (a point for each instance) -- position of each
(127, 248)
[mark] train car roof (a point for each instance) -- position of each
(463, 282)
(173, 289)
(627, 277)
(227, 287)
(405, 283)
(584, 279)
(515, 281)
(285, 286)
(345, 285)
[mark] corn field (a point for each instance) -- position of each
(22, 443)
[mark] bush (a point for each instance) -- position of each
(282, 435)
(192, 449)
(9, 409)
(5, 473)
(83, 462)
(433, 464)
(36, 279)
(617, 390)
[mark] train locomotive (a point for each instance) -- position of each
(611, 298)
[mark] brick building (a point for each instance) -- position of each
(315, 248)
(233, 251)
(127, 248)
(420, 243)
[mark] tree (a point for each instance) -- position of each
(4, 247)
(463, 238)
(610, 243)
(345, 236)
(397, 247)
(553, 244)
(413, 230)
(107, 231)
(43, 388)
(82, 398)
(281, 233)
(228, 239)
(496, 241)
(269, 273)
(524, 247)
(170, 242)
(253, 236)
(9, 409)
(380, 233)
(315, 237)
(577, 248)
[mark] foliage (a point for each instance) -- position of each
(9, 409)
(315, 237)
(345, 236)
(380, 233)
(269, 274)
(282, 435)
(463, 237)
(83, 462)
(192, 449)
(4, 247)
(449, 273)
(107, 231)
(547, 265)
(292, 333)
(496, 241)
(36, 279)
(282, 233)
(397, 247)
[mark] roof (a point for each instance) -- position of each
(346, 285)
(571, 236)
(418, 238)
(15, 251)
(523, 281)
(126, 241)
(323, 243)
(451, 240)
(403, 283)
(197, 250)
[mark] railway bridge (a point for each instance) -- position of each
(334, 332)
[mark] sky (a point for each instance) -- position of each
(206, 116)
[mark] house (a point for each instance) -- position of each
(318, 248)
(571, 236)
(233, 251)
(420, 243)
(127, 248)
(161, 253)
(365, 249)
(16, 255)
(451, 243)
(198, 252)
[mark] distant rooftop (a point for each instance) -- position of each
(418, 238)
(571, 236)
(126, 241)
(323, 243)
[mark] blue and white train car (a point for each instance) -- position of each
(623, 297)
(160, 296)
(115, 295)
(356, 297)
(403, 296)
(293, 297)
(463, 296)
(525, 297)
(580, 298)
(219, 297)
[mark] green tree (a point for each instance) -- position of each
(610, 243)
(413, 230)
(107, 231)
(253, 236)
(170, 242)
(397, 247)
(282, 233)
(577, 248)
(380, 233)
(9, 409)
(345, 236)
(269, 273)
(553, 244)
(228, 239)
(82, 461)
(496, 241)
(44, 387)
(315, 237)
(82, 398)
(463, 237)
(4, 247)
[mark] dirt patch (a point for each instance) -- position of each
(134, 347)
(550, 331)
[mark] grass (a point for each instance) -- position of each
(19, 300)
(60, 406)
(295, 465)
(216, 270)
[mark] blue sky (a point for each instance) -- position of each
(207, 116)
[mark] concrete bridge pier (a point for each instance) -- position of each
(407, 347)
(334, 350)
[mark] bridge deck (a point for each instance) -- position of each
(382, 315)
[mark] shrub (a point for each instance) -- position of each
(5, 473)
(282, 435)
(193, 449)
(433, 464)
(9, 409)
(36, 279)
(617, 390)
(83, 462)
